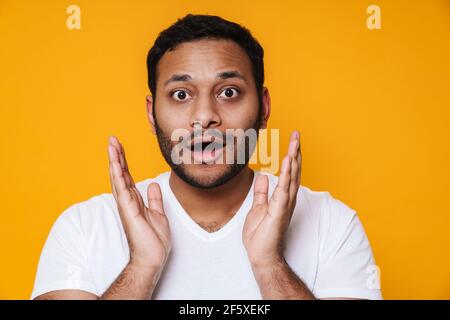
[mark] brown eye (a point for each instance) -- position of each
(180, 95)
(229, 93)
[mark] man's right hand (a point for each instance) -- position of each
(147, 231)
(146, 228)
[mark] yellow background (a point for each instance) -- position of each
(372, 107)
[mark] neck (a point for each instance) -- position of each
(212, 206)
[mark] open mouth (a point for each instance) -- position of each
(206, 152)
(206, 144)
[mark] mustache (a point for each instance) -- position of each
(209, 136)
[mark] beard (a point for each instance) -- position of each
(209, 181)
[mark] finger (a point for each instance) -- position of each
(295, 168)
(111, 181)
(299, 159)
(118, 178)
(110, 157)
(293, 145)
(293, 184)
(119, 147)
(118, 182)
(281, 192)
(113, 153)
(154, 197)
(261, 190)
(285, 174)
(122, 160)
(124, 164)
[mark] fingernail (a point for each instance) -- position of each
(296, 134)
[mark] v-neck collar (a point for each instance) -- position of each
(199, 231)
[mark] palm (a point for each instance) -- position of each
(261, 233)
(256, 227)
(146, 228)
(268, 220)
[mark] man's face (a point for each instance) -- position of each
(205, 84)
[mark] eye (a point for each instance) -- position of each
(180, 95)
(229, 93)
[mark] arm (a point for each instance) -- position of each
(134, 283)
(278, 281)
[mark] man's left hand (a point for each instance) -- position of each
(268, 220)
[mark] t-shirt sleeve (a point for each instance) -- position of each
(63, 261)
(347, 267)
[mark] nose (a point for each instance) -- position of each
(204, 112)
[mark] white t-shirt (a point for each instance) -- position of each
(326, 246)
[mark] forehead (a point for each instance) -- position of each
(204, 58)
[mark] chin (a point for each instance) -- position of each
(207, 176)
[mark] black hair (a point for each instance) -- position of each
(195, 27)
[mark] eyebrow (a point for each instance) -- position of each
(230, 74)
(221, 75)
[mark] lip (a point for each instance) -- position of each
(204, 156)
(207, 157)
(206, 139)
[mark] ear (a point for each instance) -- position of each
(265, 108)
(151, 119)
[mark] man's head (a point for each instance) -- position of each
(206, 70)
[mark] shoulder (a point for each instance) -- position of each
(98, 211)
(317, 205)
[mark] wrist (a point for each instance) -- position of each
(268, 263)
(142, 267)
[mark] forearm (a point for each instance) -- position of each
(278, 281)
(134, 283)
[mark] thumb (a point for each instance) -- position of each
(154, 197)
(260, 191)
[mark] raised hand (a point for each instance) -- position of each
(146, 228)
(267, 221)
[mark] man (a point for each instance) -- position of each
(207, 230)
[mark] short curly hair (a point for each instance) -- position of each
(195, 27)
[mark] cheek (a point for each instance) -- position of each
(170, 118)
(243, 115)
